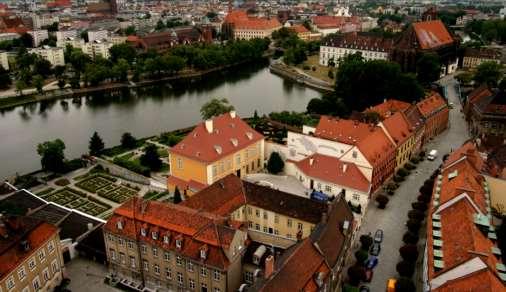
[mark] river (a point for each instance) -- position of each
(149, 112)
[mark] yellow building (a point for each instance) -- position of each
(214, 149)
(399, 131)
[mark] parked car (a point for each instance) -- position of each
(432, 155)
(364, 289)
(451, 105)
(391, 285)
(378, 236)
(372, 262)
(375, 249)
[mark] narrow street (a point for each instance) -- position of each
(392, 219)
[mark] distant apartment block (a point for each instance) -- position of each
(41, 20)
(55, 56)
(64, 35)
(38, 36)
(97, 35)
(8, 36)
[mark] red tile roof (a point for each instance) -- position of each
(431, 104)
(298, 28)
(388, 107)
(326, 21)
(482, 281)
(371, 140)
(194, 227)
(432, 34)
(229, 135)
(398, 127)
(335, 171)
(241, 20)
(36, 232)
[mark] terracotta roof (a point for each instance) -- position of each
(483, 281)
(326, 21)
(298, 28)
(414, 117)
(431, 104)
(195, 228)
(229, 135)
(363, 42)
(479, 93)
(240, 19)
(432, 34)
(398, 127)
(388, 107)
(370, 139)
(333, 170)
(36, 232)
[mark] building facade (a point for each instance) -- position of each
(238, 25)
(55, 56)
(435, 112)
(401, 134)
(474, 57)
(97, 35)
(38, 36)
(215, 148)
(486, 113)
(30, 255)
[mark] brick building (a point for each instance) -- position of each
(435, 112)
(238, 25)
(485, 111)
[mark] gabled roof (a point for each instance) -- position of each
(431, 104)
(229, 134)
(432, 34)
(327, 21)
(241, 20)
(388, 107)
(335, 171)
(371, 140)
(398, 127)
(298, 28)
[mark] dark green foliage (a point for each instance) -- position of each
(405, 269)
(402, 172)
(413, 225)
(169, 139)
(366, 241)
(361, 256)
(382, 201)
(409, 252)
(275, 164)
(416, 214)
(488, 30)
(128, 141)
(52, 155)
(488, 73)
(356, 274)
(290, 118)
(405, 284)
(428, 68)
(96, 144)
(410, 238)
(501, 238)
(151, 158)
(419, 206)
(132, 166)
(177, 196)
(215, 107)
(5, 79)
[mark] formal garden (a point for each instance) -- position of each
(74, 199)
(105, 187)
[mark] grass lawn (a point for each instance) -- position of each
(321, 72)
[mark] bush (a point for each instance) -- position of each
(356, 274)
(415, 160)
(361, 256)
(416, 215)
(366, 241)
(398, 179)
(423, 199)
(392, 186)
(410, 166)
(132, 166)
(409, 252)
(275, 164)
(390, 192)
(404, 285)
(405, 269)
(382, 201)
(73, 164)
(419, 206)
(305, 67)
(410, 238)
(402, 172)
(62, 182)
(413, 225)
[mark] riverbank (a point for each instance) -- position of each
(292, 74)
(55, 94)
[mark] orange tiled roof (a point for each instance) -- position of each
(194, 227)
(483, 281)
(388, 107)
(34, 231)
(229, 135)
(298, 28)
(326, 21)
(431, 104)
(241, 20)
(432, 34)
(335, 171)
(398, 127)
(370, 139)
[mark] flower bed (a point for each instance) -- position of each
(74, 199)
(118, 194)
(94, 183)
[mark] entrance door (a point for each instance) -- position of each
(311, 184)
(238, 173)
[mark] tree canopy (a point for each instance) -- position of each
(215, 107)
(96, 144)
(428, 68)
(151, 158)
(128, 141)
(52, 155)
(275, 164)
(488, 73)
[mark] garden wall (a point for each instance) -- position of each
(123, 172)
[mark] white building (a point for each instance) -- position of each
(64, 35)
(77, 43)
(371, 48)
(38, 36)
(40, 20)
(97, 35)
(4, 61)
(97, 48)
(55, 56)
(8, 36)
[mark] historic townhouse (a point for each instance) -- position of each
(170, 247)
(215, 148)
(461, 252)
(401, 134)
(435, 112)
(474, 57)
(238, 25)
(30, 255)
(486, 113)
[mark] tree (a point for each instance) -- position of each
(128, 141)
(5, 79)
(215, 107)
(428, 68)
(366, 241)
(419, 206)
(275, 164)
(61, 82)
(405, 268)
(122, 51)
(160, 25)
(26, 40)
(501, 239)
(464, 78)
(416, 214)
(409, 252)
(361, 256)
(120, 70)
(382, 201)
(410, 237)
(52, 155)
(295, 55)
(356, 273)
(177, 196)
(20, 86)
(405, 284)
(151, 158)
(413, 225)
(331, 74)
(38, 82)
(130, 30)
(488, 73)
(96, 144)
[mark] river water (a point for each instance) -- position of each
(148, 112)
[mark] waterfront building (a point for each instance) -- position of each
(369, 47)
(474, 57)
(30, 255)
(4, 61)
(38, 36)
(435, 112)
(461, 251)
(486, 113)
(55, 56)
(238, 25)
(335, 24)
(215, 148)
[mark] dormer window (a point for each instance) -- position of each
(154, 235)
(143, 231)
(119, 225)
(179, 243)
(166, 239)
(203, 252)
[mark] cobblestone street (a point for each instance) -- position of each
(392, 219)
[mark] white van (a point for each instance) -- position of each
(432, 155)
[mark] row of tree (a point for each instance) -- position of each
(295, 49)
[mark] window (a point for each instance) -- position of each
(21, 273)
(146, 265)
(54, 266)
(166, 256)
(216, 275)
(257, 226)
(190, 266)
(110, 237)
(42, 255)
(132, 262)
(130, 244)
(299, 226)
(155, 252)
(165, 239)
(216, 289)
(191, 284)
(215, 171)
(257, 213)
(180, 278)
(50, 246)
(356, 197)
(204, 286)
(154, 235)
(276, 219)
(113, 254)
(144, 249)
(249, 210)
(276, 232)
(10, 283)
(288, 235)
(289, 222)
(203, 272)
(266, 215)
(179, 261)
(238, 159)
(178, 243)
(143, 232)
(122, 257)
(157, 269)
(168, 273)
(46, 275)
(120, 241)
(266, 229)
(31, 264)
(328, 189)
(248, 277)
(36, 283)
(179, 163)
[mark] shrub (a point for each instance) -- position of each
(419, 206)
(361, 256)
(132, 166)
(349, 288)
(415, 160)
(410, 166)
(404, 285)
(398, 179)
(73, 164)
(390, 192)
(423, 199)
(413, 226)
(409, 252)
(366, 241)
(405, 269)
(410, 238)
(306, 67)
(356, 274)
(275, 164)
(62, 182)
(382, 201)
(422, 153)
(313, 68)
(392, 186)
(402, 172)
(416, 214)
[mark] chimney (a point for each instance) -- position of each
(232, 114)
(269, 266)
(209, 126)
